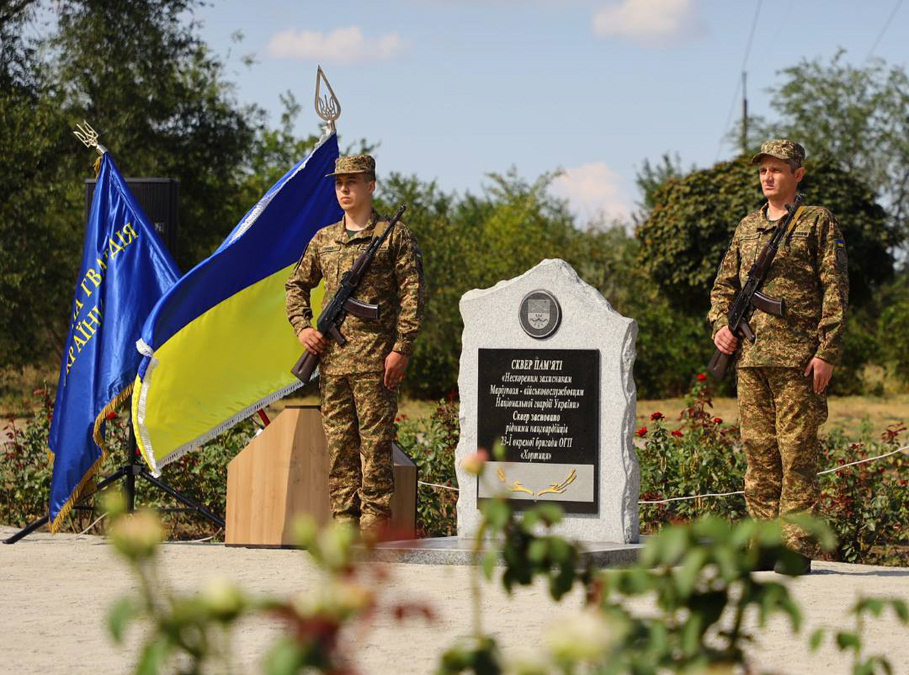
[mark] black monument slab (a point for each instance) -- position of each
(544, 406)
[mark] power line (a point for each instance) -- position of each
(735, 94)
(880, 35)
(757, 11)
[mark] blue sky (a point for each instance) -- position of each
(455, 89)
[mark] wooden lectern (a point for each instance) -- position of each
(283, 472)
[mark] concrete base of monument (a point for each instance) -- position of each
(455, 551)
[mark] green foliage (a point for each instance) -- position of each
(35, 252)
(699, 577)
(525, 552)
(697, 580)
(431, 442)
(652, 177)
(855, 117)
(26, 467)
(193, 630)
(166, 109)
(893, 327)
(852, 641)
(671, 345)
(691, 224)
(474, 242)
(860, 347)
(867, 505)
(700, 456)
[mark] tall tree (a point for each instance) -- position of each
(35, 253)
(854, 117)
(142, 76)
(138, 71)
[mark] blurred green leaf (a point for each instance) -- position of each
(119, 615)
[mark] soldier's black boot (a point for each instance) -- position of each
(766, 562)
(793, 564)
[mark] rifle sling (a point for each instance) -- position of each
(798, 214)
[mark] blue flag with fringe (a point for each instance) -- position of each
(125, 270)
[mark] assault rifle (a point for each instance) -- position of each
(750, 297)
(343, 303)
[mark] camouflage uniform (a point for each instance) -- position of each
(780, 413)
(358, 411)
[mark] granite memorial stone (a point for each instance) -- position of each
(546, 370)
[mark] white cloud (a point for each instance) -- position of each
(648, 21)
(593, 192)
(344, 45)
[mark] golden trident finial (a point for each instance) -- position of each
(89, 137)
(328, 107)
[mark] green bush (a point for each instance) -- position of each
(26, 467)
(867, 505)
(431, 443)
(893, 330)
(701, 456)
(860, 347)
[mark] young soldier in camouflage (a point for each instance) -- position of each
(783, 376)
(358, 380)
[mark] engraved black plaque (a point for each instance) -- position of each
(544, 405)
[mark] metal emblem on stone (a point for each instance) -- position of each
(540, 314)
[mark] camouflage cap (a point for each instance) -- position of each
(354, 164)
(781, 149)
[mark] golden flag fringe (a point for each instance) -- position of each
(90, 474)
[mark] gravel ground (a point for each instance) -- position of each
(54, 593)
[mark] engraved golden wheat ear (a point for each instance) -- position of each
(559, 488)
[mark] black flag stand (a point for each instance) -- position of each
(134, 468)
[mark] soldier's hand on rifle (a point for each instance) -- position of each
(822, 370)
(395, 365)
(725, 341)
(312, 339)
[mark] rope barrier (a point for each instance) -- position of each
(436, 485)
(721, 494)
(97, 520)
(862, 461)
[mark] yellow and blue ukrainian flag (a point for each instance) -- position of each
(218, 346)
(125, 270)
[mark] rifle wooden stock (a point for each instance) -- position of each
(305, 366)
(719, 364)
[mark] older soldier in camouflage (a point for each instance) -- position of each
(783, 376)
(358, 380)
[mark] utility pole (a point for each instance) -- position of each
(744, 139)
